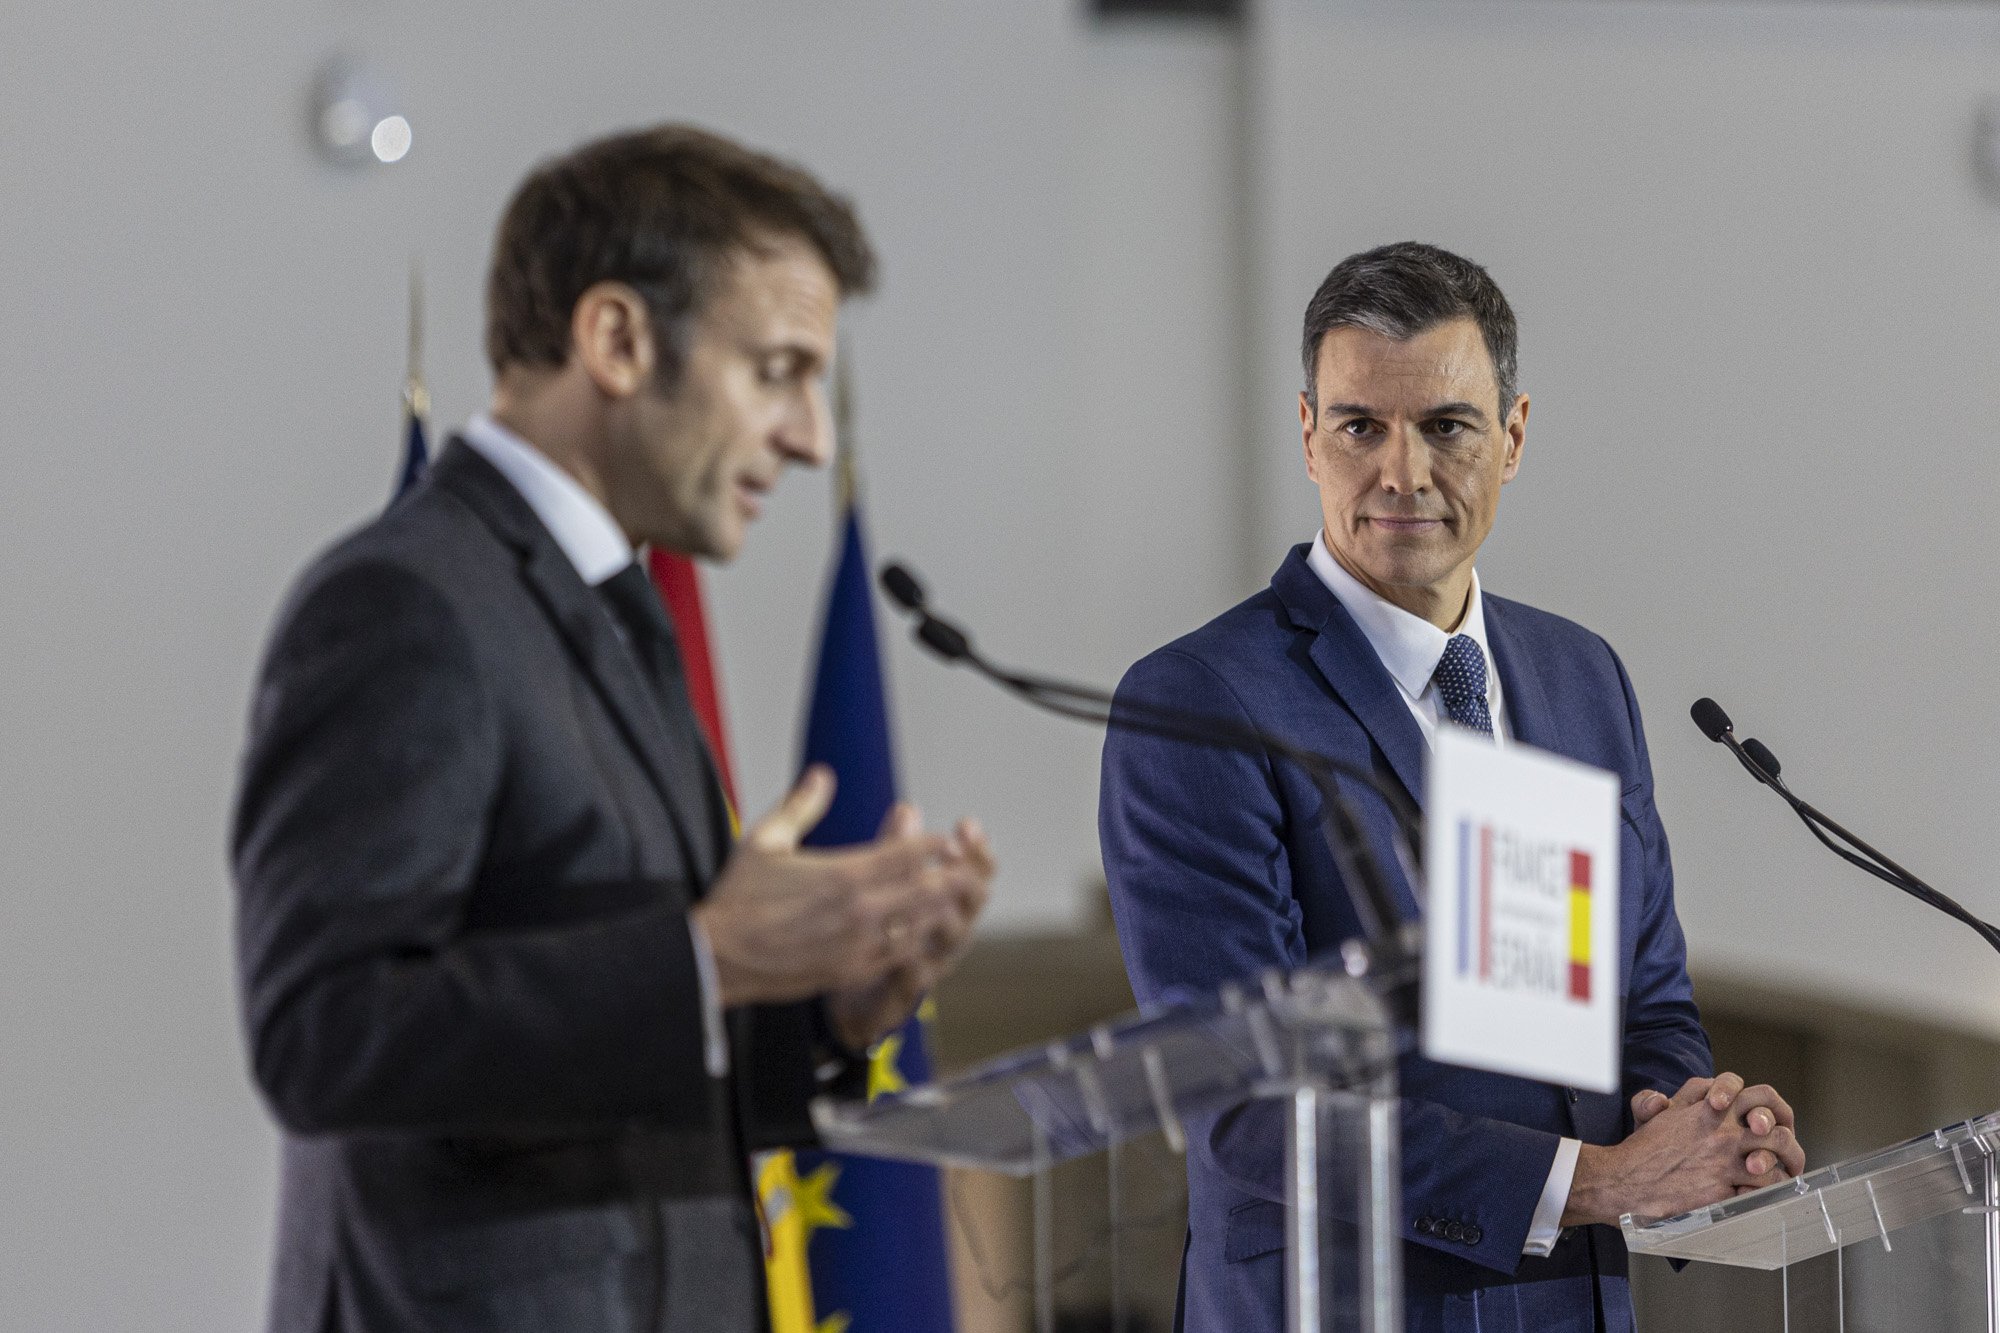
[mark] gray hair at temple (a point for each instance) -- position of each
(1403, 289)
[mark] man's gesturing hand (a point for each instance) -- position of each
(861, 1014)
(785, 923)
(1713, 1138)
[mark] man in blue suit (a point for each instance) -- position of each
(1368, 639)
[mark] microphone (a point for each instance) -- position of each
(1714, 724)
(1760, 755)
(946, 640)
(1763, 765)
(1392, 941)
(1708, 715)
(902, 587)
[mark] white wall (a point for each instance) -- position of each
(201, 335)
(1046, 419)
(1759, 291)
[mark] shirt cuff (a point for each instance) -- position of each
(1545, 1229)
(714, 1035)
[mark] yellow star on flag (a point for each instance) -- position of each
(812, 1200)
(836, 1322)
(883, 1076)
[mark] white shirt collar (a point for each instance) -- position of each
(1409, 646)
(584, 529)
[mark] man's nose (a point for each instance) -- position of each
(1406, 464)
(804, 433)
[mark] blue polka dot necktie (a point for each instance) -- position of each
(1461, 682)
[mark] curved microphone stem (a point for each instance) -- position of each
(1041, 690)
(1374, 900)
(1880, 866)
(1863, 856)
(1820, 825)
(1381, 917)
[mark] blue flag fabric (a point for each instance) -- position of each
(878, 1256)
(416, 456)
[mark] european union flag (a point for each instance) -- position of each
(877, 1245)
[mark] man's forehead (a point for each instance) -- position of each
(781, 288)
(1447, 360)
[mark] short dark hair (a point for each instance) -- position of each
(662, 210)
(1402, 290)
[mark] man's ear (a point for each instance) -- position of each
(611, 334)
(1306, 431)
(1516, 431)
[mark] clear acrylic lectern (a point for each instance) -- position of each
(1317, 1040)
(1953, 1172)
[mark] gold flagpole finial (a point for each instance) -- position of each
(415, 396)
(846, 483)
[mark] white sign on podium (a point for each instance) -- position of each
(1521, 929)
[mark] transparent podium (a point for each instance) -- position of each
(1946, 1182)
(1318, 1041)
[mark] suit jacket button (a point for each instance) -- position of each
(1473, 1235)
(1453, 1231)
(1423, 1226)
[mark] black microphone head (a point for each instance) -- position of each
(1708, 715)
(947, 641)
(1760, 755)
(902, 587)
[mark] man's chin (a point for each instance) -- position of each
(1404, 573)
(723, 545)
(717, 547)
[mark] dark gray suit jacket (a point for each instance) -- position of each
(465, 846)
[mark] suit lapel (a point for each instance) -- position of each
(586, 628)
(677, 772)
(1342, 654)
(1530, 719)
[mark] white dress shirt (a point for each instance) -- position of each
(598, 547)
(1410, 649)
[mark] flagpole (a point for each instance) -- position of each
(846, 482)
(416, 398)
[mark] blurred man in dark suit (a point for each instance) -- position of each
(520, 1001)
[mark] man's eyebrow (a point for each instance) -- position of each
(1455, 409)
(806, 355)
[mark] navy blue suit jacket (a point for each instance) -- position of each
(1218, 870)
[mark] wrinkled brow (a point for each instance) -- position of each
(1451, 409)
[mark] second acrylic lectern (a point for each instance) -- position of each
(1949, 1177)
(1318, 1041)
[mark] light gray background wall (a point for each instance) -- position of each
(1759, 298)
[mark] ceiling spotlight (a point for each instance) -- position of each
(355, 120)
(390, 139)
